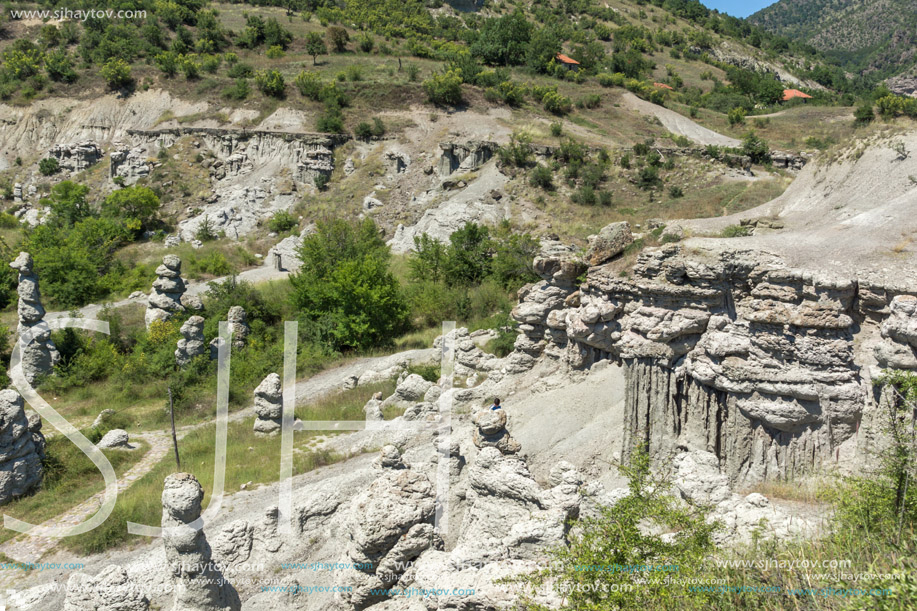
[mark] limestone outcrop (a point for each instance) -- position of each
(725, 351)
(20, 452)
(269, 406)
(115, 439)
(198, 583)
(110, 590)
(192, 343)
(77, 156)
(609, 242)
(168, 288)
(467, 156)
(39, 354)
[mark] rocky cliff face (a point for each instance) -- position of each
(729, 352)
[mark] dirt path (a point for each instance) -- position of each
(679, 124)
(32, 549)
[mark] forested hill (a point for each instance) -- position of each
(864, 36)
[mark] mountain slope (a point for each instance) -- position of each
(866, 36)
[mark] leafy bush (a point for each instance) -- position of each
(503, 41)
(542, 177)
(48, 166)
(240, 70)
(413, 71)
(378, 129)
(331, 121)
(117, 73)
(239, 90)
(363, 130)
(648, 177)
(309, 85)
(864, 114)
(755, 148)
(60, 67)
(518, 153)
(556, 103)
(676, 192)
(736, 116)
(271, 83)
(735, 231)
(345, 285)
(366, 43)
(135, 206)
(338, 38)
(557, 129)
(444, 88)
(275, 52)
(282, 221)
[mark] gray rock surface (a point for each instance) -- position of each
(192, 343)
(168, 288)
(199, 584)
(609, 243)
(76, 157)
(115, 439)
(490, 431)
(20, 458)
(110, 590)
(238, 325)
(269, 406)
(39, 355)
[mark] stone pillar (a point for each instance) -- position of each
(168, 289)
(238, 324)
(192, 342)
(20, 457)
(39, 355)
(269, 406)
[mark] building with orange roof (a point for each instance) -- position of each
(789, 94)
(663, 86)
(568, 62)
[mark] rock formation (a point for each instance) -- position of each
(390, 525)
(725, 351)
(39, 355)
(76, 157)
(115, 439)
(467, 156)
(128, 164)
(192, 342)
(199, 585)
(610, 242)
(238, 324)
(110, 590)
(490, 431)
(168, 288)
(20, 458)
(269, 406)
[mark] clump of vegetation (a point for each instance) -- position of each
(444, 88)
(281, 222)
(271, 83)
(736, 231)
(48, 166)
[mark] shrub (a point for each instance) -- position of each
(239, 90)
(168, 63)
(338, 38)
(864, 114)
(60, 67)
(518, 152)
(378, 129)
(117, 73)
(366, 43)
(584, 196)
(444, 88)
(321, 181)
(735, 231)
(282, 221)
(345, 285)
(271, 83)
(590, 101)
(240, 70)
(363, 130)
(625, 161)
(648, 177)
(136, 206)
(557, 129)
(756, 148)
(275, 52)
(48, 166)
(676, 192)
(542, 177)
(309, 85)
(331, 121)
(189, 66)
(736, 116)
(556, 103)
(211, 63)
(354, 73)
(413, 71)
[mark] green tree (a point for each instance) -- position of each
(168, 63)
(469, 255)
(117, 73)
(48, 166)
(864, 114)
(345, 286)
(756, 148)
(544, 45)
(503, 41)
(67, 203)
(315, 46)
(428, 261)
(136, 206)
(337, 38)
(444, 88)
(271, 83)
(59, 66)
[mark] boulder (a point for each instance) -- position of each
(110, 590)
(609, 243)
(115, 439)
(490, 431)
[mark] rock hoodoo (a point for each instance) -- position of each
(269, 406)
(39, 355)
(238, 325)
(20, 452)
(76, 157)
(192, 342)
(199, 585)
(390, 525)
(168, 288)
(490, 431)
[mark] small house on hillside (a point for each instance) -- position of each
(567, 62)
(789, 94)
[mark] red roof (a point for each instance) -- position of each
(566, 60)
(789, 94)
(662, 86)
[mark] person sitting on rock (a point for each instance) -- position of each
(495, 406)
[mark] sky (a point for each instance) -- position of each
(737, 8)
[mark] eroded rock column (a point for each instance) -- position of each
(20, 457)
(168, 288)
(39, 355)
